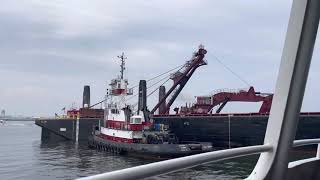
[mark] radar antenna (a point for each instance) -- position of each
(123, 63)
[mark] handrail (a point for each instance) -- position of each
(305, 142)
(167, 166)
(164, 167)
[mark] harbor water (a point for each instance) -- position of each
(24, 156)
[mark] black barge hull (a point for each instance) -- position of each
(233, 130)
(67, 129)
(221, 131)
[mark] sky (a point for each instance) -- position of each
(51, 49)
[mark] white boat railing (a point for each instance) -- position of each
(284, 115)
(167, 166)
(306, 142)
(172, 165)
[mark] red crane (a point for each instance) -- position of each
(205, 104)
(181, 78)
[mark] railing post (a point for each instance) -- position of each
(318, 151)
(291, 82)
(229, 131)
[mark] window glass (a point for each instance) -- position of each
(138, 120)
(114, 111)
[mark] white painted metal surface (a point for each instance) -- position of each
(303, 161)
(77, 129)
(121, 133)
(305, 142)
(120, 116)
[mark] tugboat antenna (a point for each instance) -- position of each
(123, 63)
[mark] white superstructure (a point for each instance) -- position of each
(119, 122)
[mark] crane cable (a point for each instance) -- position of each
(99, 102)
(180, 66)
(230, 70)
(134, 105)
(157, 88)
(165, 78)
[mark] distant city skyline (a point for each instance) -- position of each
(51, 49)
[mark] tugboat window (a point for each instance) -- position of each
(138, 120)
(114, 111)
(135, 120)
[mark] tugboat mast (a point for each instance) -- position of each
(123, 63)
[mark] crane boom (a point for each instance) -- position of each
(180, 79)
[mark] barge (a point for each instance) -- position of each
(203, 121)
(196, 123)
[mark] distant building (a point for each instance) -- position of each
(3, 113)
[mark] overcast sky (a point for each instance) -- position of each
(50, 49)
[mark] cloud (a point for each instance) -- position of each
(55, 47)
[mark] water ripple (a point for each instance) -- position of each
(24, 156)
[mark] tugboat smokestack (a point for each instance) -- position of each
(142, 104)
(86, 97)
(162, 93)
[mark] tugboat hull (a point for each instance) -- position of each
(156, 150)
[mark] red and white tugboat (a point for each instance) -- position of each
(128, 132)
